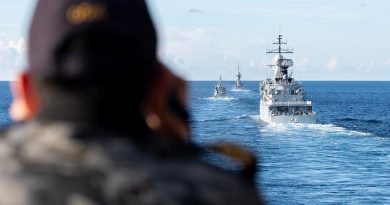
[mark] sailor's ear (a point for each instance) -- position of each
(156, 99)
(166, 105)
(25, 99)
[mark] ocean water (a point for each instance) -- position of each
(343, 159)
(5, 102)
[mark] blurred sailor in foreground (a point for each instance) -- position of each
(103, 122)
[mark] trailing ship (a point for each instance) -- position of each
(219, 89)
(282, 98)
(238, 84)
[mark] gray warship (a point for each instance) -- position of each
(219, 89)
(238, 84)
(282, 98)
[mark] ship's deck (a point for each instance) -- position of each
(304, 103)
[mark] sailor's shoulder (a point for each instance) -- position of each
(53, 147)
(9, 140)
(221, 173)
(46, 160)
(234, 162)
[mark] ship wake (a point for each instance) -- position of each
(320, 130)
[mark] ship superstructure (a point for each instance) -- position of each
(282, 98)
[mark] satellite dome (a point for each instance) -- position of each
(285, 63)
(277, 58)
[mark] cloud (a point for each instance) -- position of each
(364, 5)
(12, 57)
(259, 41)
(192, 10)
(372, 64)
(186, 42)
(199, 53)
(388, 62)
(187, 50)
(302, 62)
(301, 9)
(19, 45)
(259, 63)
(332, 64)
(252, 63)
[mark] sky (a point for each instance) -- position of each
(202, 39)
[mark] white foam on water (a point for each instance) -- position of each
(244, 117)
(256, 118)
(220, 98)
(211, 119)
(239, 90)
(298, 128)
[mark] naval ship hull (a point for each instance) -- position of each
(266, 116)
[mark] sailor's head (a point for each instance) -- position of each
(80, 44)
(96, 60)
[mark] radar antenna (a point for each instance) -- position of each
(280, 50)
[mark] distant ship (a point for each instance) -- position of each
(282, 98)
(238, 84)
(219, 89)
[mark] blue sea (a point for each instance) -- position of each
(5, 102)
(343, 159)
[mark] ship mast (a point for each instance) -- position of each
(280, 50)
(238, 69)
(282, 64)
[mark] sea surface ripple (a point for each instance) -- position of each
(343, 159)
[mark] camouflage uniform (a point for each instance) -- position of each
(58, 163)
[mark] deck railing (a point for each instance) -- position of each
(305, 103)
